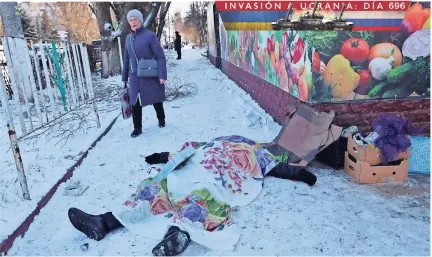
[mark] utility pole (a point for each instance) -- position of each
(16, 46)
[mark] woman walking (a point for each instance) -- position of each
(143, 44)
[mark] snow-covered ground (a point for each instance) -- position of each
(335, 217)
(47, 156)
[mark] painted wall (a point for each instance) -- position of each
(331, 66)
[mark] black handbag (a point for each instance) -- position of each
(146, 68)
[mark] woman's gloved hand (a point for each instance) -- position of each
(157, 158)
(153, 159)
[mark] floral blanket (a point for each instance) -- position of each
(198, 195)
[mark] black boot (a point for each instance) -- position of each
(137, 119)
(306, 176)
(94, 226)
(297, 173)
(91, 225)
(136, 132)
(160, 114)
(174, 243)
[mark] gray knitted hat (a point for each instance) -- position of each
(135, 13)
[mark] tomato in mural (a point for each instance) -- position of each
(321, 66)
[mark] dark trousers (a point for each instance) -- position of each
(110, 222)
(285, 171)
(178, 53)
(137, 113)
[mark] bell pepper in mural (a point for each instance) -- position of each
(298, 50)
(426, 25)
(385, 50)
(270, 44)
(340, 77)
(356, 50)
(415, 17)
(316, 63)
(364, 83)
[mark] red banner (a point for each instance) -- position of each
(309, 5)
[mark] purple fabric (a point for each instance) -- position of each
(146, 46)
(393, 135)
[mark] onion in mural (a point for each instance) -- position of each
(322, 66)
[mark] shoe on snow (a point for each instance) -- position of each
(307, 177)
(171, 230)
(136, 132)
(161, 123)
(173, 244)
(91, 225)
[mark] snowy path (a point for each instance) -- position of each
(46, 157)
(335, 217)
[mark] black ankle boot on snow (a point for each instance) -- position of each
(174, 243)
(91, 225)
(94, 226)
(161, 123)
(136, 132)
(307, 177)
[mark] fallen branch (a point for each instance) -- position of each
(63, 128)
(176, 90)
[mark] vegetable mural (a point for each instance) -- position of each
(321, 66)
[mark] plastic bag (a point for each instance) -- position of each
(125, 103)
(393, 135)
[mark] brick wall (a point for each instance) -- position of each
(212, 59)
(276, 102)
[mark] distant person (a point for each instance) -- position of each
(142, 43)
(177, 45)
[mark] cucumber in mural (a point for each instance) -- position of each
(322, 66)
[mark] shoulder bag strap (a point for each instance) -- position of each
(131, 45)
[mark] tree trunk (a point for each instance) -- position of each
(151, 15)
(163, 12)
(103, 17)
(111, 63)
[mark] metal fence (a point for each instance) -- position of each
(41, 82)
(5, 73)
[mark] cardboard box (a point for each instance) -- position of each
(369, 153)
(304, 134)
(364, 173)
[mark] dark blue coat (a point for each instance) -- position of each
(146, 46)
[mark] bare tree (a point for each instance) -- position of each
(162, 18)
(75, 17)
(102, 10)
(196, 18)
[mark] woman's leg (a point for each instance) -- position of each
(160, 113)
(94, 226)
(297, 173)
(137, 119)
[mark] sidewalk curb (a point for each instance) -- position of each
(6, 244)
